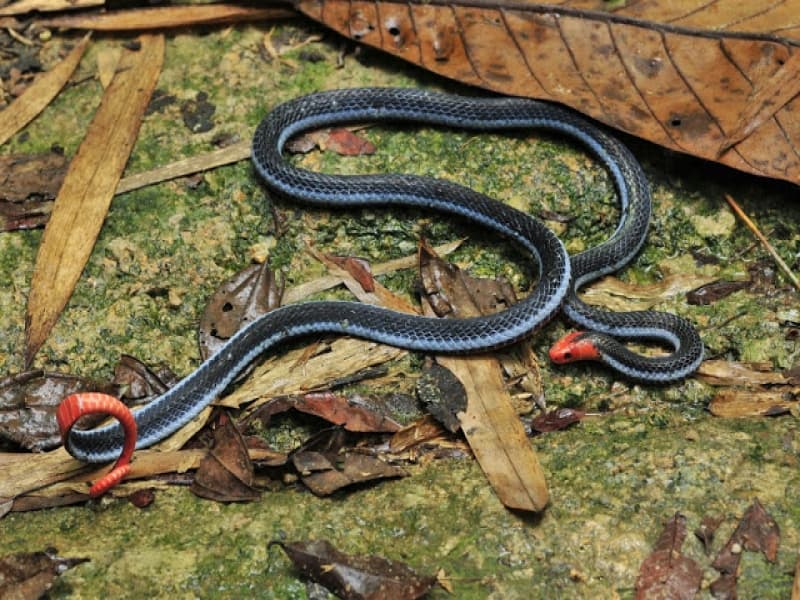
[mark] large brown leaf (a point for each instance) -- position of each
(718, 80)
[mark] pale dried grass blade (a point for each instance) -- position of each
(83, 200)
(25, 6)
(167, 17)
(40, 93)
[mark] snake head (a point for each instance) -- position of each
(573, 347)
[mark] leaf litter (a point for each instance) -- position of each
(356, 577)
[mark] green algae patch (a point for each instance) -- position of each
(644, 454)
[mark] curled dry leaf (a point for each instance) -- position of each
(356, 577)
(326, 473)
(714, 80)
(331, 407)
(137, 381)
(757, 531)
(557, 419)
(31, 574)
(666, 573)
(339, 140)
(239, 301)
(28, 403)
(226, 473)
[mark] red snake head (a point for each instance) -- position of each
(573, 347)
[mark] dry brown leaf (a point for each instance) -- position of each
(39, 94)
(25, 6)
(796, 585)
(490, 423)
(88, 187)
(139, 19)
(715, 80)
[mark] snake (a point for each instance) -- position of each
(559, 276)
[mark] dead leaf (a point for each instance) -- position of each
(757, 531)
(359, 269)
(443, 395)
(22, 7)
(137, 381)
(240, 300)
(86, 193)
(31, 574)
(339, 140)
(705, 532)
(325, 472)
(337, 410)
(31, 176)
(142, 498)
(39, 94)
(715, 81)
(490, 424)
(557, 419)
(356, 577)
(140, 19)
(666, 573)
(714, 291)
(226, 473)
(28, 403)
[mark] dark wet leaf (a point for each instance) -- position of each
(198, 114)
(724, 587)
(142, 498)
(339, 140)
(137, 381)
(28, 403)
(356, 577)
(757, 531)
(31, 176)
(714, 291)
(359, 268)
(705, 532)
(325, 472)
(239, 301)
(226, 473)
(28, 185)
(557, 419)
(443, 395)
(666, 573)
(337, 410)
(331, 407)
(448, 289)
(31, 574)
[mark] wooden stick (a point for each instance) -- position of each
(784, 267)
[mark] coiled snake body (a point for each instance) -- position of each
(180, 404)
